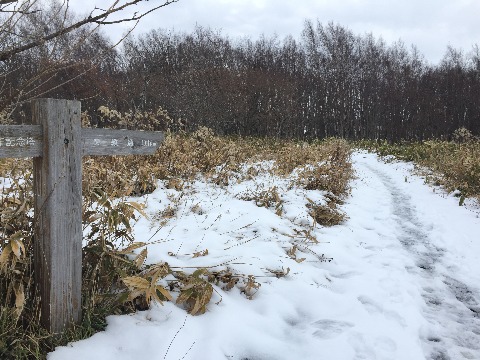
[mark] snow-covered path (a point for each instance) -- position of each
(404, 282)
(442, 239)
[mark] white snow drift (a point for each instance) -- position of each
(403, 282)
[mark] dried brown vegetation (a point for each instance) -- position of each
(326, 214)
(454, 165)
(321, 166)
(115, 277)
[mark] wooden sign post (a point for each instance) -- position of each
(57, 142)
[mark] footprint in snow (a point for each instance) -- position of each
(328, 329)
(385, 344)
(373, 307)
(346, 275)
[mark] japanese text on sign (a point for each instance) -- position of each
(130, 143)
(13, 142)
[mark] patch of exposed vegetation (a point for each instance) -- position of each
(115, 277)
(455, 165)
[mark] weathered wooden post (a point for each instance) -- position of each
(57, 142)
(57, 187)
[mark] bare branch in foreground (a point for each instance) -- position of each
(100, 19)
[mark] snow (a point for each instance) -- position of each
(403, 282)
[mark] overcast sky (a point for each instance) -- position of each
(431, 25)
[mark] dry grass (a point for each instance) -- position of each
(322, 166)
(327, 214)
(269, 198)
(115, 279)
(454, 165)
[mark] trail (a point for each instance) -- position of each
(404, 282)
(451, 306)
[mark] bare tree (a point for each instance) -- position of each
(330, 83)
(45, 47)
(19, 9)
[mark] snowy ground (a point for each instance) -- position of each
(403, 282)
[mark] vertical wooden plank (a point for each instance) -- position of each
(58, 217)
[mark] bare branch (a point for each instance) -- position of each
(136, 17)
(98, 19)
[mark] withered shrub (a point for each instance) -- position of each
(115, 277)
(455, 165)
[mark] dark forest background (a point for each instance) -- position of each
(327, 82)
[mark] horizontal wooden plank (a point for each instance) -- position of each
(20, 141)
(120, 142)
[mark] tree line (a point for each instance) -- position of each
(328, 82)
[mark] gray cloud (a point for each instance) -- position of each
(431, 25)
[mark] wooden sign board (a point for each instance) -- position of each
(57, 143)
(19, 141)
(120, 142)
